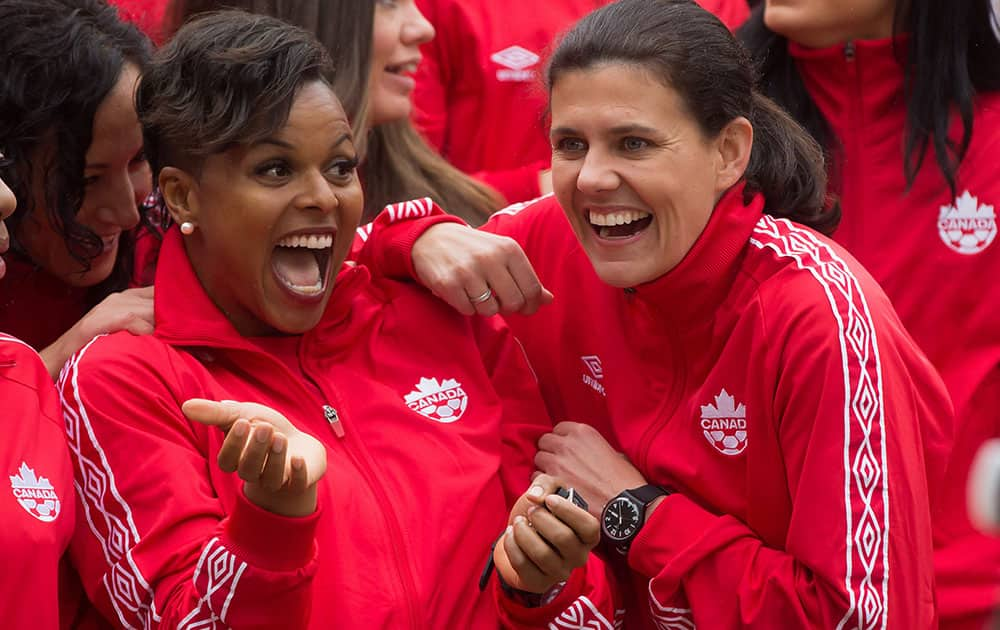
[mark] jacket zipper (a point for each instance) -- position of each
(850, 180)
(363, 463)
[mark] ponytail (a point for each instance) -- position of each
(787, 168)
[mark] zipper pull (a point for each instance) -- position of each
(849, 50)
(334, 419)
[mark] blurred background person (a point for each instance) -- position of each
(478, 95)
(905, 98)
(78, 171)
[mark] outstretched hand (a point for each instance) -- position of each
(279, 464)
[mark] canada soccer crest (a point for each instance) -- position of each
(725, 424)
(35, 494)
(967, 227)
(444, 402)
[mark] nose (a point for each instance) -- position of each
(417, 29)
(317, 194)
(597, 174)
(120, 207)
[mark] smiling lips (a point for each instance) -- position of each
(300, 263)
(619, 224)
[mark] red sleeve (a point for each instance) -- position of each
(857, 548)
(153, 544)
(384, 245)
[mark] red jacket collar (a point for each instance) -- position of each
(692, 290)
(186, 315)
(858, 85)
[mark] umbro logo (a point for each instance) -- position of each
(515, 61)
(594, 373)
(725, 424)
(968, 227)
(444, 402)
(35, 494)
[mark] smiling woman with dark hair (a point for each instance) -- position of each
(410, 407)
(758, 433)
(79, 173)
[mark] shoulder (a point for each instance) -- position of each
(24, 378)
(121, 366)
(540, 219)
(810, 286)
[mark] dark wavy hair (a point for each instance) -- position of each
(692, 52)
(226, 78)
(953, 53)
(59, 59)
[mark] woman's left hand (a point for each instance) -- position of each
(580, 456)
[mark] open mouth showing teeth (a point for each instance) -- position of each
(301, 263)
(403, 68)
(620, 224)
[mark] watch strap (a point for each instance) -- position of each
(648, 493)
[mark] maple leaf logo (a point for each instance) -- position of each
(724, 407)
(429, 386)
(27, 479)
(968, 227)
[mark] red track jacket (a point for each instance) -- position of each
(36, 507)
(937, 259)
(769, 382)
(429, 402)
(479, 97)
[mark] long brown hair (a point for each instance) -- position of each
(398, 163)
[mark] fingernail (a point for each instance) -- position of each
(240, 429)
(536, 491)
(261, 435)
(297, 464)
(519, 519)
(510, 531)
(277, 446)
(532, 510)
(553, 500)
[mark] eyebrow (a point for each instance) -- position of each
(281, 143)
(615, 131)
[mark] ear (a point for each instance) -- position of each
(734, 144)
(180, 194)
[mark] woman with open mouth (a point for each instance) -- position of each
(783, 437)
(368, 491)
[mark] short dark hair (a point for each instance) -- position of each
(59, 59)
(227, 78)
(952, 53)
(692, 52)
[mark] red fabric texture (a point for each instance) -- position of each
(934, 256)
(37, 505)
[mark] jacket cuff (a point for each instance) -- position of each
(675, 525)
(520, 615)
(270, 541)
(395, 259)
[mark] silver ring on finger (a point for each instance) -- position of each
(479, 299)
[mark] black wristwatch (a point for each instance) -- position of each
(625, 514)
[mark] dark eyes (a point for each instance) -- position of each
(634, 144)
(340, 169)
(571, 145)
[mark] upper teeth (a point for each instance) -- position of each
(312, 241)
(620, 217)
(404, 68)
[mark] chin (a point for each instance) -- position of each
(621, 275)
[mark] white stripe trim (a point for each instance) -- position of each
(769, 227)
(514, 208)
(75, 410)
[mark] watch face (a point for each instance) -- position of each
(621, 519)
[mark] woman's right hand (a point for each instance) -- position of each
(130, 310)
(279, 464)
(459, 264)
